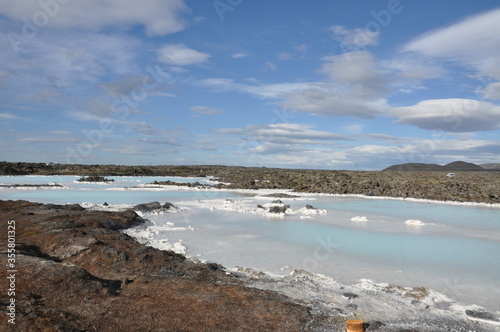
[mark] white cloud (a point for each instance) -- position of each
(9, 116)
(410, 70)
(273, 149)
(284, 133)
(274, 90)
(159, 17)
(301, 48)
(138, 87)
(389, 138)
(144, 128)
(492, 91)
(50, 140)
(180, 55)
(66, 61)
(450, 115)
(263, 90)
(270, 66)
(356, 88)
(284, 56)
(286, 144)
(206, 110)
(474, 42)
(239, 55)
(357, 38)
(322, 100)
(124, 85)
(357, 70)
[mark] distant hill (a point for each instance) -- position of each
(491, 167)
(456, 166)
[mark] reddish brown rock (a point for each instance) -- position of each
(76, 272)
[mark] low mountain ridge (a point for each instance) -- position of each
(491, 166)
(456, 166)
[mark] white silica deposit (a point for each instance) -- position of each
(359, 219)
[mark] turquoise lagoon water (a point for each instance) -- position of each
(123, 190)
(455, 251)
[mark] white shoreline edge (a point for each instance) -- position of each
(261, 192)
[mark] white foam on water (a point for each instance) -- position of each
(359, 219)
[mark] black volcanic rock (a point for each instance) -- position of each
(147, 207)
(94, 179)
(277, 209)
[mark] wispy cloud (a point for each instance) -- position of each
(328, 100)
(206, 110)
(269, 66)
(239, 55)
(9, 116)
(284, 133)
(355, 38)
(474, 42)
(262, 90)
(158, 17)
(357, 71)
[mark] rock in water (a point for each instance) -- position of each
(147, 207)
(277, 209)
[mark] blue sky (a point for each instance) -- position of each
(318, 84)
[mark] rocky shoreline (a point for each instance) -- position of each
(76, 271)
(467, 186)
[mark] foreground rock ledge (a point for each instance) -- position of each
(76, 272)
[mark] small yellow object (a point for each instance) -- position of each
(355, 325)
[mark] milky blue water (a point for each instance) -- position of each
(456, 251)
(123, 190)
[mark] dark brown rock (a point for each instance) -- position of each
(92, 277)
